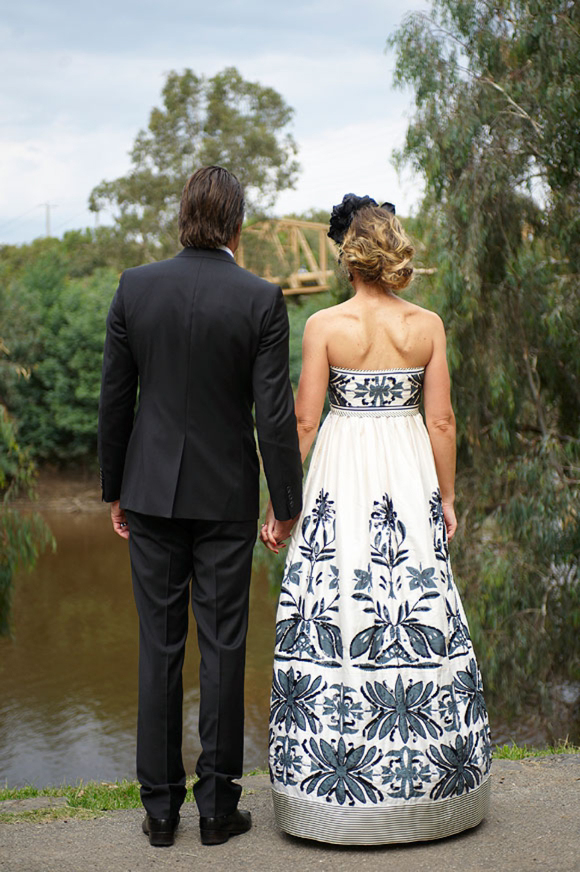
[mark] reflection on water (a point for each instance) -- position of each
(68, 681)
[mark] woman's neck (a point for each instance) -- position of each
(372, 293)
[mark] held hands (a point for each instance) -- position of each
(274, 532)
(119, 520)
(450, 520)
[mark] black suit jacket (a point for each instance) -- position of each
(204, 341)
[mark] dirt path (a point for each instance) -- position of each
(532, 826)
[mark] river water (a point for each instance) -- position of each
(68, 678)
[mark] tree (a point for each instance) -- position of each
(222, 120)
(21, 537)
(496, 136)
(57, 329)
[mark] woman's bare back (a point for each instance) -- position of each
(378, 332)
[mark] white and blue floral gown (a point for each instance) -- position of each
(378, 726)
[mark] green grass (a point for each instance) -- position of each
(95, 795)
(94, 798)
(520, 752)
(85, 800)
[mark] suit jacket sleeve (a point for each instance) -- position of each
(275, 418)
(117, 401)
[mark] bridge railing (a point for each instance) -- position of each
(295, 254)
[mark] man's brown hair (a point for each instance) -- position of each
(212, 208)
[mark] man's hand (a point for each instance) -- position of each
(274, 532)
(119, 520)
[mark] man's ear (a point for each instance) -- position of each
(235, 240)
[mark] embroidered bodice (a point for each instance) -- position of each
(385, 391)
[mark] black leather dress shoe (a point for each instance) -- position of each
(161, 831)
(217, 830)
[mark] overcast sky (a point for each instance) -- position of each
(79, 81)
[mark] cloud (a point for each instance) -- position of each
(61, 169)
(79, 89)
(86, 89)
(236, 27)
(331, 89)
(84, 80)
(353, 157)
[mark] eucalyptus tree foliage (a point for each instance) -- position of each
(496, 136)
(222, 120)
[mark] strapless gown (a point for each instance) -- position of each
(378, 726)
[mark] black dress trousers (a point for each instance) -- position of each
(170, 556)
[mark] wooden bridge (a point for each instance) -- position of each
(291, 253)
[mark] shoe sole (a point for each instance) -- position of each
(218, 838)
(161, 840)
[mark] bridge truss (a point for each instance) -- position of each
(291, 253)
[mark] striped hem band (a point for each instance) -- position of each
(381, 825)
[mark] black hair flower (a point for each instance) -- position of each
(342, 215)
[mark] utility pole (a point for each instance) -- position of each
(48, 207)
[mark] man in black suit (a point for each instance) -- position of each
(204, 341)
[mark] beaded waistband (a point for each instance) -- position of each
(381, 411)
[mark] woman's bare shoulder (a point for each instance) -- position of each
(426, 317)
(341, 313)
(327, 317)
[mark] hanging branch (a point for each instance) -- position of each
(486, 80)
(520, 112)
(535, 393)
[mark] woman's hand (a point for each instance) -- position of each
(267, 531)
(450, 520)
(273, 532)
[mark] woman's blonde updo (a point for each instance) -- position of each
(377, 248)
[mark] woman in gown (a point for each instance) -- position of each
(378, 726)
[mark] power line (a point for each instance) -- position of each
(70, 220)
(18, 218)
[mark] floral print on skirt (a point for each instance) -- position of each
(378, 725)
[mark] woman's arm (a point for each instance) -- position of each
(309, 405)
(441, 423)
(313, 382)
